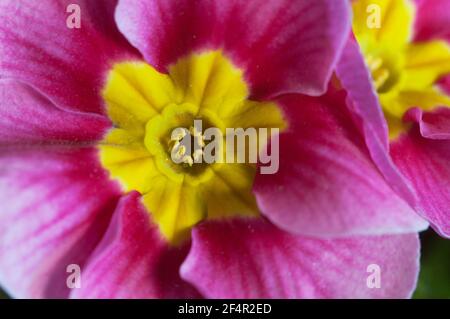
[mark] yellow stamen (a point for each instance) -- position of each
(176, 144)
(178, 134)
(380, 74)
(201, 140)
(180, 151)
(375, 64)
(381, 78)
(188, 160)
(197, 155)
(194, 132)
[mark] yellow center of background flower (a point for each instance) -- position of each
(146, 106)
(404, 72)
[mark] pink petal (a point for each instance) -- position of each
(67, 65)
(444, 83)
(253, 259)
(133, 260)
(54, 209)
(433, 20)
(327, 184)
(433, 125)
(364, 105)
(356, 80)
(27, 117)
(283, 46)
(426, 163)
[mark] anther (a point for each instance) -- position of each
(198, 154)
(194, 132)
(178, 134)
(188, 160)
(374, 63)
(180, 151)
(381, 78)
(380, 74)
(200, 140)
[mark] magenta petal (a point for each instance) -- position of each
(67, 65)
(133, 261)
(426, 163)
(327, 184)
(54, 209)
(253, 259)
(284, 46)
(433, 20)
(28, 117)
(356, 80)
(444, 84)
(364, 105)
(433, 125)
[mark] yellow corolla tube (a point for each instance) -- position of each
(404, 72)
(146, 106)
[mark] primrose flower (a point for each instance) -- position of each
(408, 55)
(91, 116)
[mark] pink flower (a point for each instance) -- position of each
(321, 221)
(423, 154)
(411, 50)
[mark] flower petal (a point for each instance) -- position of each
(433, 20)
(363, 103)
(433, 125)
(444, 84)
(426, 163)
(282, 46)
(175, 207)
(327, 175)
(357, 81)
(27, 117)
(133, 261)
(55, 207)
(68, 65)
(253, 259)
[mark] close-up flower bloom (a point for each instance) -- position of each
(97, 96)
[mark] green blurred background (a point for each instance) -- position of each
(434, 279)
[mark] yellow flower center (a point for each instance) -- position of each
(155, 113)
